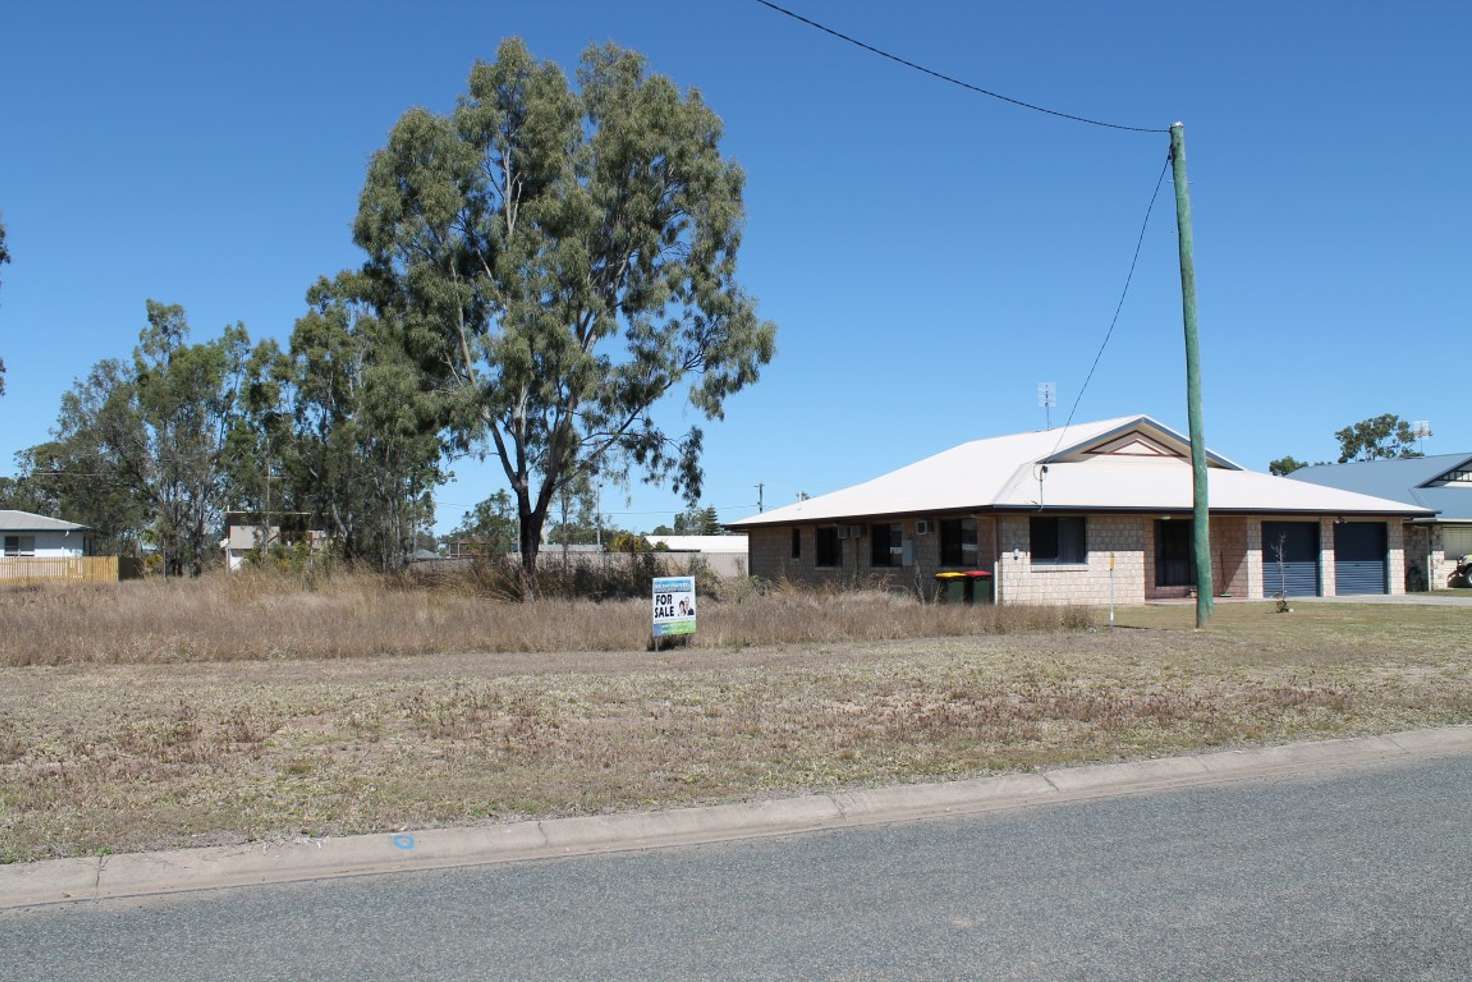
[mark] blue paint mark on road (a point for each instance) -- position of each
(405, 841)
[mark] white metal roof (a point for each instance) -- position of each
(25, 521)
(700, 543)
(1070, 469)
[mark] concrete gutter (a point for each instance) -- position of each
(182, 870)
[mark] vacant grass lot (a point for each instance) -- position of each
(254, 616)
(135, 756)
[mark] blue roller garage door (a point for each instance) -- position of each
(1359, 558)
(1297, 545)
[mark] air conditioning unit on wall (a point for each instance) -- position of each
(922, 526)
(843, 531)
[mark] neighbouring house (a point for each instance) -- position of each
(723, 555)
(1443, 483)
(1067, 515)
(28, 535)
(39, 547)
(247, 531)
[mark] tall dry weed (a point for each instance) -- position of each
(256, 615)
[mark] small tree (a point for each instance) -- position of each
(491, 525)
(561, 261)
(698, 521)
(1280, 551)
(1284, 466)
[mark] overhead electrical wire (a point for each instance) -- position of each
(1155, 193)
(952, 79)
(1113, 321)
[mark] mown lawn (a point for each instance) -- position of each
(126, 757)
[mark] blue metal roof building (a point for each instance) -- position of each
(1423, 481)
(1443, 483)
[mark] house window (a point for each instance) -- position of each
(826, 551)
(20, 545)
(1058, 541)
(797, 543)
(887, 545)
(958, 542)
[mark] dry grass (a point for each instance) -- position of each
(141, 756)
(258, 616)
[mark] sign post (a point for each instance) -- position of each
(673, 610)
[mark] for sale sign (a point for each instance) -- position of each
(674, 606)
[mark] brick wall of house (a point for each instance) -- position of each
(1229, 556)
(1254, 559)
(770, 550)
(1236, 541)
(1229, 567)
(1326, 557)
(1395, 542)
(1426, 552)
(1025, 582)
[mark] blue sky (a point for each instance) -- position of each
(928, 255)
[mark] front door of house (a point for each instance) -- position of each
(1173, 566)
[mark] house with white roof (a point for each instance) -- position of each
(1067, 515)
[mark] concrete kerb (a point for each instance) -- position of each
(182, 870)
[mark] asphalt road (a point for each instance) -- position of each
(1354, 875)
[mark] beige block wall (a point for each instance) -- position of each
(1395, 544)
(1254, 558)
(1426, 552)
(1238, 566)
(1326, 557)
(1229, 556)
(770, 552)
(1025, 582)
(1229, 568)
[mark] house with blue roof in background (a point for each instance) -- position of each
(1443, 483)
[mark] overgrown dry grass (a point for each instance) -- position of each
(260, 616)
(120, 757)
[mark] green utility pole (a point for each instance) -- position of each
(1201, 544)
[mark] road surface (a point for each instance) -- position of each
(1354, 874)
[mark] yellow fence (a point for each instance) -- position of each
(85, 569)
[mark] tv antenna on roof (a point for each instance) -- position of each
(1047, 399)
(1421, 429)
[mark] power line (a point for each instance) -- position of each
(956, 81)
(1139, 242)
(660, 511)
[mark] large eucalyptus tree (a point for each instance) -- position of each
(562, 259)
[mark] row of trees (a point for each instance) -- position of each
(543, 266)
(155, 448)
